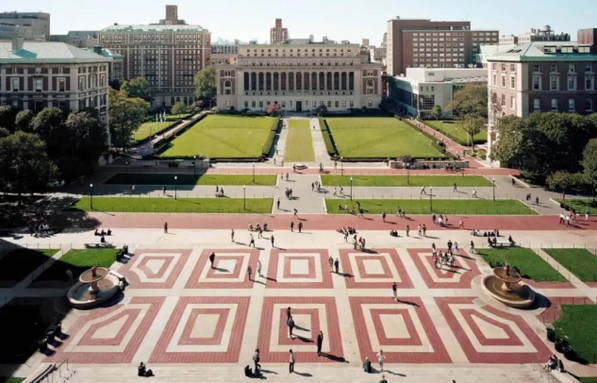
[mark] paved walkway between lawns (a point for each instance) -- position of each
(452, 146)
(314, 221)
(321, 153)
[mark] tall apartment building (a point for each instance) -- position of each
(278, 34)
(433, 44)
(167, 55)
(39, 22)
(11, 31)
(541, 34)
(547, 76)
(223, 53)
(171, 16)
(35, 75)
(299, 77)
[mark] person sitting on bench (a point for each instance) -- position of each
(96, 232)
(109, 233)
(143, 371)
(103, 239)
(102, 233)
(494, 241)
(265, 227)
(511, 240)
(248, 372)
(367, 366)
(489, 242)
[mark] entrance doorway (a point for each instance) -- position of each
(299, 106)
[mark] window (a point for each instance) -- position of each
(82, 83)
(370, 104)
(351, 104)
(246, 104)
(536, 105)
(314, 104)
(253, 103)
(61, 85)
(536, 82)
(37, 70)
(554, 105)
(261, 104)
(571, 105)
(571, 68)
(14, 84)
(554, 68)
(495, 79)
(571, 82)
(329, 104)
(513, 82)
(536, 68)
(503, 81)
(344, 103)
(589, 82)
(588, 67)
(553, 83)
(513, 103)
(589, 105)
(503, 101)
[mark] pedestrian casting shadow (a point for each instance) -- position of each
(408, 303)
(465, 256)
(334, 358)
(221, 270)
(391, 222)
(271, 279)
(303, 374)
(346, 275)
(369, 251)
(258, 281)
(302, 338)
(376, 371)
(301, 328)
(268, 372)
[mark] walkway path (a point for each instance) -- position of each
(321, 153)
(280, 148)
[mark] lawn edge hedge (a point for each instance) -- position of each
(328, 139)
(461, 142)
(269, 142)
(148, 138)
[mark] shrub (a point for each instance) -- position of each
(327, 138)
(267, 146)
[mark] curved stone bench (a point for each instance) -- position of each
(41, 373)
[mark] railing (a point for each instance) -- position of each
(60, 374)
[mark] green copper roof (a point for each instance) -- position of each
(536, 52)
(47, 52)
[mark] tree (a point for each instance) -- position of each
(138, 87)
(437, 112)
(472, 125)
(471, 99)
(46, 121)
(4, 132)
(25, 165)
(7, 117)
(205, 85)
(126, 114)
(272, 109)
(564, 181)
(178, 108)
(589, 164)
(23, 120)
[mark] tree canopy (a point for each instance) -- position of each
(205, 84)
(178, 108)
(473, 124)
(589, 164)
(471, 99)
(126, 115)
(138, 87)
(437, 112)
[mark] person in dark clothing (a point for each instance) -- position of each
(319, 342)
(212, 257)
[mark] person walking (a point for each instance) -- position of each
(407, 230)
(395, 291)
(461, 224)
(423, 190)
(259, 268)
(381, 359)
(295, 213)
(278, 203)
(474, 193)
(288, 312)
(164, 190)
(331, 262)
(383, 216)
(455, 189)
(166, 227)
(337, 265)
(319, 342)
(256, 359)
(252, 241)
(291, 362)
(419, 230)
(472, 248)
(300, 227)
(232, 235)
(272, 239)
(424, 230)
(212, 258)
(290, 323)
(291, 225)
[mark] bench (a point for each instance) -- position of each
(41, 373)
(504, 244)
(105, 245)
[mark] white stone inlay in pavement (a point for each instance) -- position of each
(205, 325)
(308, 347)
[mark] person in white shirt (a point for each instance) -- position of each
(291, 362)
(381, 359)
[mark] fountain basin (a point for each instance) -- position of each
(86, 296)
(518, 296)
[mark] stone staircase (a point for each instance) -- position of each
(315, 372)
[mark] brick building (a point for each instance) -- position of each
(278, 34)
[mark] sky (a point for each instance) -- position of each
(338, 20)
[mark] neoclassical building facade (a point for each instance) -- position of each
(299, 77)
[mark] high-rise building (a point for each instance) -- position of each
(278, 34)
(299, 77)
(171, 16)
(433, 44)
(39, 22)
(365, 42)
(544, 76)
(167, 55)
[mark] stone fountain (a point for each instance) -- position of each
(95, 286)
(504, 285)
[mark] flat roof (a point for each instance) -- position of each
(153, 28)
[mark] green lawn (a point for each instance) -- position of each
(190, 179)
(299, 145)
(384, 137)
(19, 263)
(580, 262)
(588, 380)
(150, 128)
(170, 205)
(454, 130)
(11, 380)
(578, 324)
(435, 181)
(422, 206)
(529, 263)
(176, 117)
(223, 136)
(581, 205)
(78, 261)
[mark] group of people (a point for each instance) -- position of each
(478, 233)
(220, 192)
(258, 228)
(445, 258)
(367, 365)
(288, 193)
(554, 364)
(316, 186)
(40, 230)
(102, 233)
(439, 220)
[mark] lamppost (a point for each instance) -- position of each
(342, 166)
(194, 162)
(431, 198)
(408, 176)
(493, 188)
(244, 198)
(253, 173)
(91, 196)
(351, 188)
(175, 187)
(127, 166)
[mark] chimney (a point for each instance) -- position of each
(97, 49)
(17, 43)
